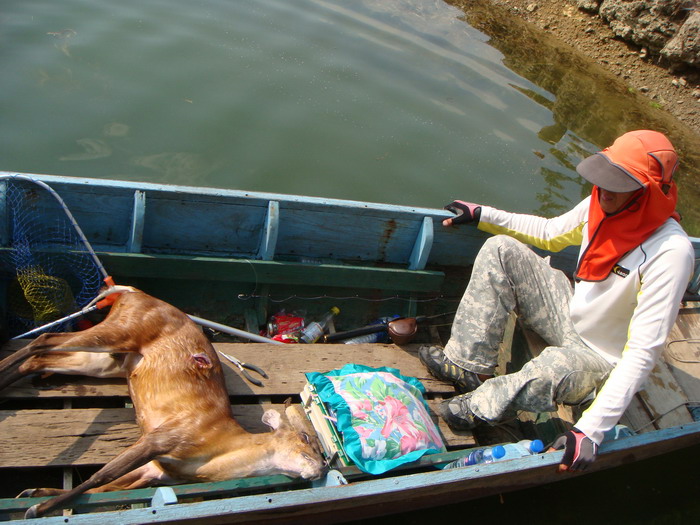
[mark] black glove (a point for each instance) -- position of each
(579, 450)
(465, 212)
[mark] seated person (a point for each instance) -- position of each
(604, 334)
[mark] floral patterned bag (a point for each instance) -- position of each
(381, 415)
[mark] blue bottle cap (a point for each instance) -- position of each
(498, 452)
(536, 446)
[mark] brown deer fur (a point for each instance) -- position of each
(182, 407)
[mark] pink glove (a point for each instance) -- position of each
(579, 450)
(465, 212)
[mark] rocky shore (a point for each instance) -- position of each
(652, 45)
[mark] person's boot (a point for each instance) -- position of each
(457, 414)
(433, 357)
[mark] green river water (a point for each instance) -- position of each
(400, 101)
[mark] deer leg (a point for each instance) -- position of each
(95, 340)
(78, 363)
(143, 451)
(148, 475)
(39, 345)
(9, 376)
(39, 493)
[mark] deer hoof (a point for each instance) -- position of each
(32, 512)
(26, 493)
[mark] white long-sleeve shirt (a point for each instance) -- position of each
(627, 317)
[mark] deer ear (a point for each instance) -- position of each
(272, 419)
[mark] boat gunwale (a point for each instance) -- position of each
(243, 194)
(270, 506)
(231, 193)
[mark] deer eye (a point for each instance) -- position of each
(305, 437)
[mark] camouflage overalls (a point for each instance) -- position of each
(508, 276)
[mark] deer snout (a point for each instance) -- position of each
(314, 468)
(297, 438)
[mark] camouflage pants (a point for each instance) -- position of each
(508, 276)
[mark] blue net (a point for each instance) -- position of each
(45, 269)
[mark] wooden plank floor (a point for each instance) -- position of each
(682, 353)
(284, 364)
(674, 384)
(92, 436)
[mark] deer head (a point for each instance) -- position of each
(298, 451)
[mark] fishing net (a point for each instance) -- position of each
(46, 269)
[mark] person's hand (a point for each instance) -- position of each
(579, 450)
(465, 212)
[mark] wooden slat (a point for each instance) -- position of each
(228, 223)
(93, 436)
(636, 417)
(682, 354)
(284, 364)
(209, 490)
(88, 436)
(665, 399)
(674, 381)
(64, 437)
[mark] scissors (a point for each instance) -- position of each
(242, 367)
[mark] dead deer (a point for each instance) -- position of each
(182, 407)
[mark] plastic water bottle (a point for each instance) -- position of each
(313, 331)
(376, 337)
(481, 455)
(522, 448)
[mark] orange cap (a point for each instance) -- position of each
(634, 159)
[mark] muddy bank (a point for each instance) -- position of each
(558, 53)
(637, 59)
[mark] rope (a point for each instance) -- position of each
(247, 297)
(675, 356)
(687, 404)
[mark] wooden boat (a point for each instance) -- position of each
(237, 257)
